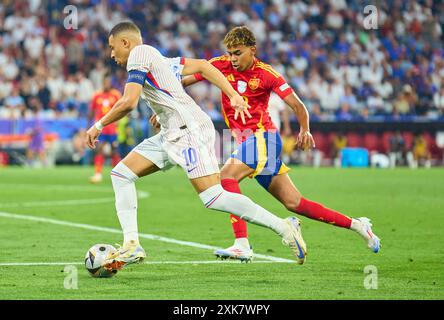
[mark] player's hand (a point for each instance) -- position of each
(305, 140)
(153, 121)
(240, 107)
(92, 136)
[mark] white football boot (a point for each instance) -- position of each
(96, 178)
(293, 239)
(364, 228)
(237, 252)
(131, 252)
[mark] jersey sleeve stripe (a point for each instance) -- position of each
(220, 58)
(269, 69)
(152, 82)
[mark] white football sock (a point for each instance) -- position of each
(355, 225)
(217, 198)
(242, 242)
(126, 200)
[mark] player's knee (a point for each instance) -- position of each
(215, 198)
(235, 170)
(121, 171)
(229, 175)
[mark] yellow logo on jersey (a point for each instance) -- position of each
(230, 77)
(254, 83)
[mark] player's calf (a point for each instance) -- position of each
(123, 179)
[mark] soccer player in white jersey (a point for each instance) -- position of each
(186, 138)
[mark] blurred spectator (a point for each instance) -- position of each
(405, 101)
(349, 98)
(34, 45)
(85, 92)
(397, 150)
(438, 99)
(36, 146)
(375, 103)
(15, 105)
(421, 152)
(97, 75)
(125, 136)
(344, 113)
(55, 53)
(320, 47)
(74, 55)
(339, 142)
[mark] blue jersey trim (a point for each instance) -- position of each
(136, 76)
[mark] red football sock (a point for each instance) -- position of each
(239, 225)
(99, 161)
(317, 211)
(115, 159)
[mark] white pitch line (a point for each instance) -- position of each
(141, 195)
(117, 231)
(58, 187)
(37, 264)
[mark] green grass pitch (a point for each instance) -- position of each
(406, 208)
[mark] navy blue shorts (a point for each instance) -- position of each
(261, 151)
(109, 138)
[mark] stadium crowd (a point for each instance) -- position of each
(341, 70)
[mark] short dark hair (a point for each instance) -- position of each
(123, 26)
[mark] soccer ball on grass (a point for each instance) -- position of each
(94, 259)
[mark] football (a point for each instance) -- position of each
(94, 259)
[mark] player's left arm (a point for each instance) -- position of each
(121, 108)
(285, 92)
(305, 139)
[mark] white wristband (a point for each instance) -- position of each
(99, 126)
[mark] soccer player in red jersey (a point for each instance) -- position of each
(101, 103)
(259, 149)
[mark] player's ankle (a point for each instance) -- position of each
(355, 225)
(242, 242)
(131, 242)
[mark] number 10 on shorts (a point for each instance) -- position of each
(190, 156)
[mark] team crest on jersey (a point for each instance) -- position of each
(241, 86)
(254, 83)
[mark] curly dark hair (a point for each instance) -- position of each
(239, 36)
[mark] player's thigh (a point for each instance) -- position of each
(284, 190)
(152, 156)
(100, 148)
(235, 169)
(140, 165)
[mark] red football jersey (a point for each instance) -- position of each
(101, 103)
(255, 86)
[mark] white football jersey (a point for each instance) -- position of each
(163, 92)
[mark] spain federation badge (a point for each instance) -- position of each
(254, 83)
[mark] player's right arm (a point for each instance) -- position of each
(212, 74)
(121, 108)
(138, 64)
